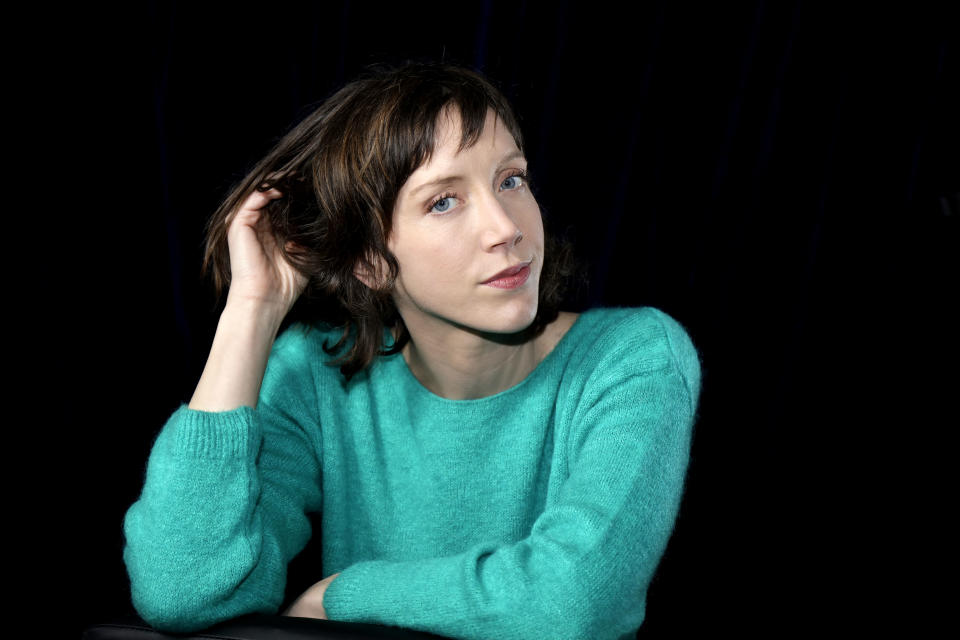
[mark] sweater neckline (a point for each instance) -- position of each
(543, 365)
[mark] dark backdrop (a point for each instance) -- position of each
(781, 177)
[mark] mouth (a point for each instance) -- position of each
(510, 278)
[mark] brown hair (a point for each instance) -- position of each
(340, 171)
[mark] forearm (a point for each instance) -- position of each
(238, 358)
(212, 533)
(190, 537)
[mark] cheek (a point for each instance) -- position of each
(539, 229)
(445, 262)
(436, 260)
(534, 228)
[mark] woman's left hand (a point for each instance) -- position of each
(310, 602)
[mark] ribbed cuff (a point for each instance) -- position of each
(400, 593)
(216, 434)
(341, 597)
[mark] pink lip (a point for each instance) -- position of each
(510, 278)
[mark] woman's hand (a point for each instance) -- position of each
(258, 272)
(310, 603)
(263, 288)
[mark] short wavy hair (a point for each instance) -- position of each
(340, 170)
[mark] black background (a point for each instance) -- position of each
(781, 178)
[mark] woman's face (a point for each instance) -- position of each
(452, 237)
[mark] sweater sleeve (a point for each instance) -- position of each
(584, 569)
(223, 506)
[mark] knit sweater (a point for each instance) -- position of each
(539, 512)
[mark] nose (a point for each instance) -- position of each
(498, 226)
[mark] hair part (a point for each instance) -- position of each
(340, 171)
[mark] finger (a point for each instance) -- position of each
(250, 208)
(294, 247)
(259, 199)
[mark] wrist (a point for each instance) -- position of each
(258, 315)
(238, 357)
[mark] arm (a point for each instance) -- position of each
(263, 288)
(584, 569)
(228, 481)
(223, 506)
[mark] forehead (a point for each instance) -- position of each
(448, 165)
(495, 136)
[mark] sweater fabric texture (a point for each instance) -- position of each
(539, 512)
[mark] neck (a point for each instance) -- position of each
(460, 364)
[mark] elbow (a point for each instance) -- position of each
(169, 616)
(167, 609)
(186, 576)
(558, 618)
(184, 601)
(173, 611)
(580, 616)
(578, 627)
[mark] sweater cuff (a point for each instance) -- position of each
(348, 598)
(343, 599)
(215, 434)
(394, 593)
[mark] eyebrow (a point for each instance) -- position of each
(449, 179)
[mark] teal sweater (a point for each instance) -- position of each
(538, 512)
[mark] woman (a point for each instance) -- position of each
(485, 466)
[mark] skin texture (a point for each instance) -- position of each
(262, 290)
(461, 345)
(468, 237)
(310, 602)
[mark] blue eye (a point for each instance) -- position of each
(523, 177)
(445, 196)
(512, 178)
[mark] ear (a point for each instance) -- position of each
(373, 276)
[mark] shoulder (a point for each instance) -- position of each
(301, 340)
(297, 356)
(618, 342)
(618, 329)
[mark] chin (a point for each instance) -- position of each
(514, 318)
